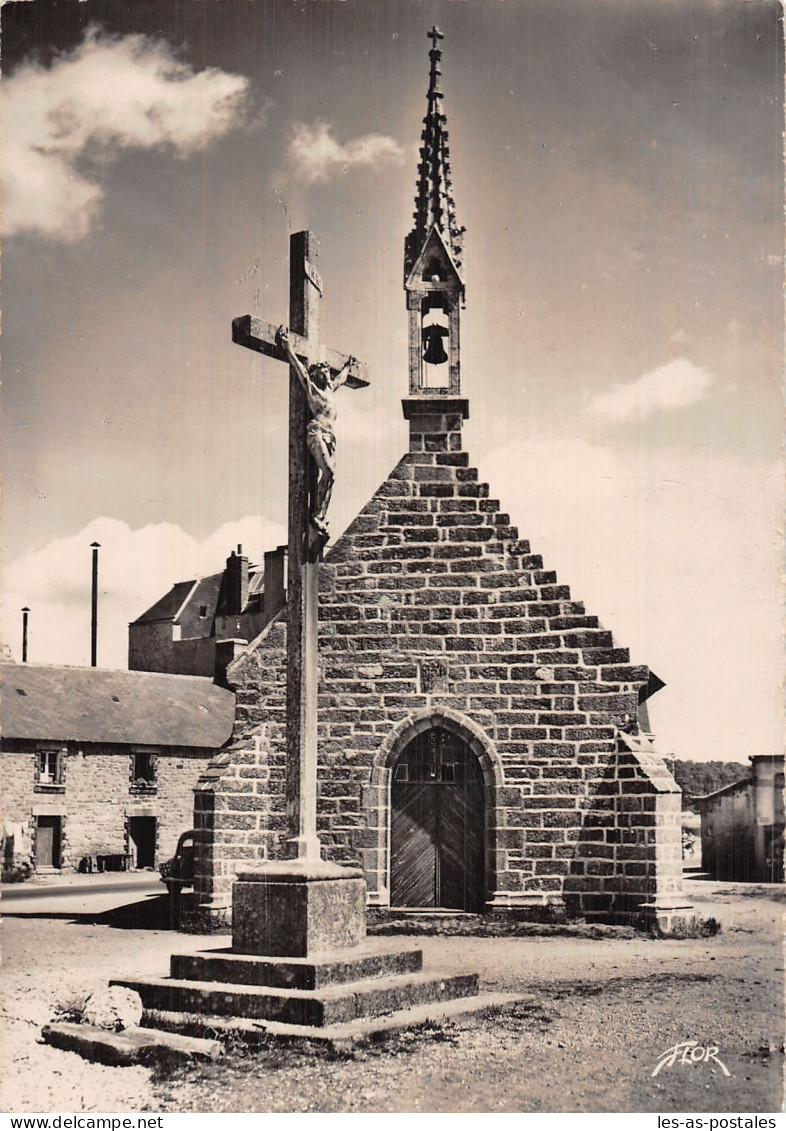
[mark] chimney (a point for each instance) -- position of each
(236, 578)
(226, 651)
(25, 615)
(275, 593)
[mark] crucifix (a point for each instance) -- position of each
(315, 373)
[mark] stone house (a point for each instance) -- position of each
(742, 825)
(191, 629)
(98, 767)
(479, 735)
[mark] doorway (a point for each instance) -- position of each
(142, 841)
(48, 842)
(437, 823)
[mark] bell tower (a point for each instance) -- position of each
(434, 286)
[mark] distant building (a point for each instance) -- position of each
(742, 825)
(97, 767)
(183, 632)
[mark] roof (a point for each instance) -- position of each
(651, 687)
(203, 595)
(98, 705)
(168, 606)
(724, 789)
(182, 603)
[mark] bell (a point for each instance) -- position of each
(433, 349)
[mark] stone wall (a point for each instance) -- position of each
(152, 648)
(434, 612)
(95, 798)
(628, 855)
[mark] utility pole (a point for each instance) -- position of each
(95, 547)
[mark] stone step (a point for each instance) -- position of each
(327, 1006)
(131, 1046)
(342, 1034)
(360, 964)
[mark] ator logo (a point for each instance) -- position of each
(690, 1052)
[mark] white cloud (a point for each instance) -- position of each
(107, 94)
(315, 155)
(677, 385)
(135, 568)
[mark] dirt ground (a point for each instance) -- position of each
(602, 1014)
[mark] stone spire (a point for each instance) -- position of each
(434, 286)
(434, 204)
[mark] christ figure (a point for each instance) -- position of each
(320, 386)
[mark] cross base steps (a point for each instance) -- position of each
(329, 1005)
(133, 1046)
(341, 1035)
(321, 979)
(294, 996)
(315, 972)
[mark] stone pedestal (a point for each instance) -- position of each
(301, 967)
(294, 909)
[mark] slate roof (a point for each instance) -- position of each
(186, 597)
(204, 593)
(168, 606)
(99, 705)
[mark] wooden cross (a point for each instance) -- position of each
(305, 542)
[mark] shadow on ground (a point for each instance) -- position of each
(154, 913)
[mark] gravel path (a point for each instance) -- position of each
(604, 1012)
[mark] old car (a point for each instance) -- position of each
(178, 872)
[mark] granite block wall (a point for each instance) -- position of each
(433, 612)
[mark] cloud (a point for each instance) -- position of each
(679, 384)
(110, 93)
(135, 568)
(315, 155)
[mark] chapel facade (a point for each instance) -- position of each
(480, 738)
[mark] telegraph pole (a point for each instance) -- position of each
(95, 547)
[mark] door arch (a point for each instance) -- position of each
(437, 818)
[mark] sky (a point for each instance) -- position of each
(618, 166)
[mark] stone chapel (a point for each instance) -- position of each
(482, 740)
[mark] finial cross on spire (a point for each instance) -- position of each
(434, 35)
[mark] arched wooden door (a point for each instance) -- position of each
(436, 824)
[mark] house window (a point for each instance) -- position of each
(49, 769)
(143, 772)
(203, 611)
